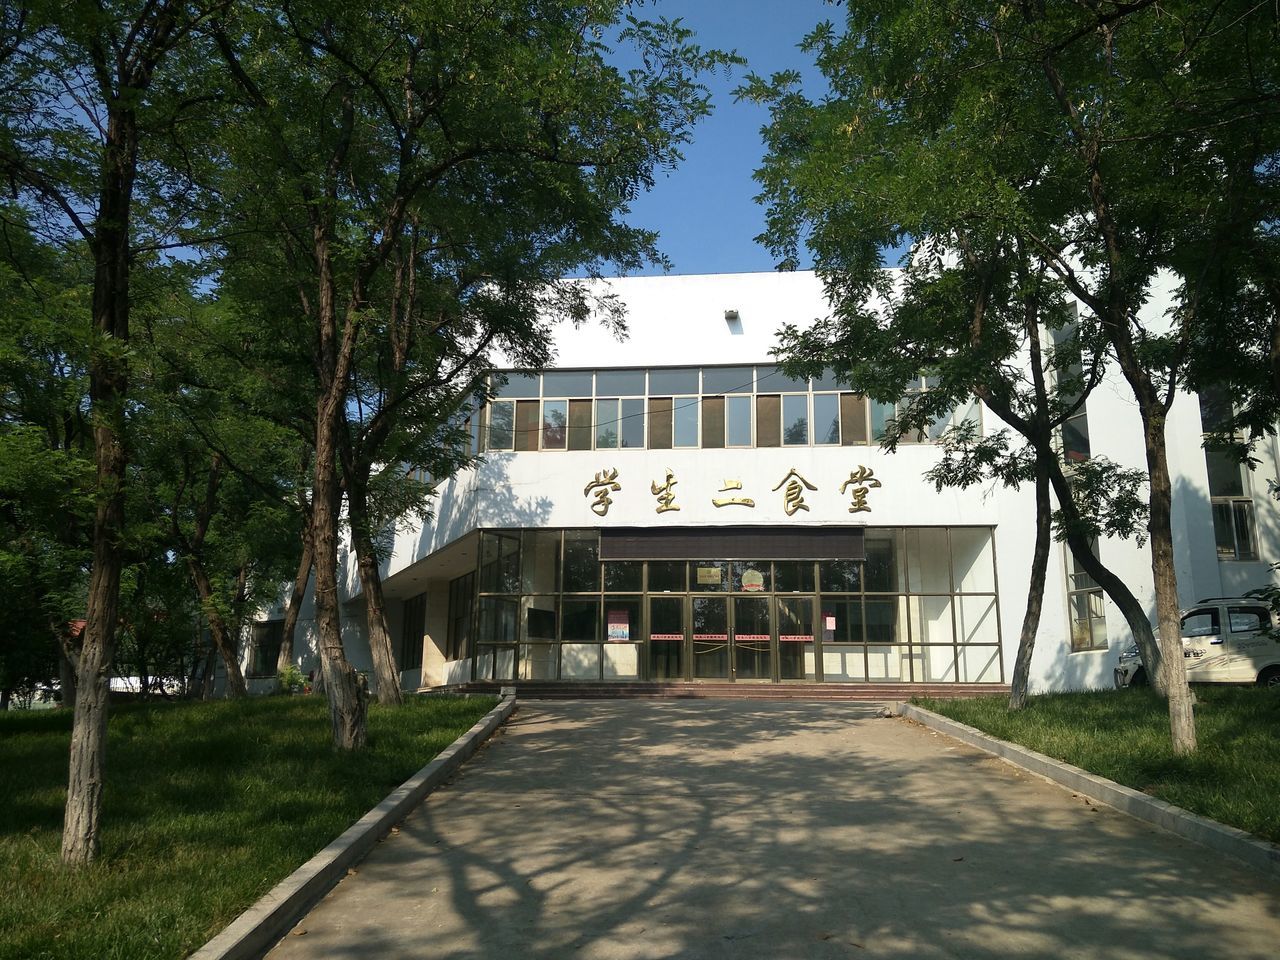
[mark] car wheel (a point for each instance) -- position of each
(1270, 677)
(1139, 678)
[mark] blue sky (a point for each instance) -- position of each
(704, 210)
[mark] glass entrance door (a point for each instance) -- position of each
(711, 638)
(752, 639)
(666, 638)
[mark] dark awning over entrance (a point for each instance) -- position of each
(733, 543)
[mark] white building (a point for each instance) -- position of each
(672, 507)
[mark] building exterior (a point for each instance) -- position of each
(673, 507)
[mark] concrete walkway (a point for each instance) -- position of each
(719, 829)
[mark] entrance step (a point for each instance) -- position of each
(576, 690)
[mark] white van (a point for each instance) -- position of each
(1224, 640)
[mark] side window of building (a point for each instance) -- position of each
(1068, 374)
(1230, 497)
(411, 632)
(1086, 605)
(267, 638)
(461, 598)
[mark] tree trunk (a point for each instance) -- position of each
(66, 680)
(1117, 590)
(295, 604)
(218, 629)
(1035, 590)
(342, 683)
(108, 390)
(1181, 719)
(210, 672)
(82, 820)
(385, 670)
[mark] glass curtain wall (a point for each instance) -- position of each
(920, 608)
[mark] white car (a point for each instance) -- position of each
(1224, 640)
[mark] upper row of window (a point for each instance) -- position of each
(658, 382)
(661, 423)
(566, 417)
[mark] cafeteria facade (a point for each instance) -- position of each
(672, 508)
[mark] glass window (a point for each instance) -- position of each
(795, 419)
(669, 381)
(830, 380)
(498, 620)
(752, 576)
(973, 560)
(1242, 513)
(884, 561)
(685, 410)
(540, 566)
(579, 424)
(555, 422)
(461, 597)
(793, 576)
(881, 414)
(841, 619)
(768, 420)
(727, 380)
(712, 422)
(1233, 529)
(774, 380)
(666, 576)
(607, 436)
(499, 562)
(580, 621)
(882, 621)
(840, 576)
(517, 385)
(1248, 619)
(622, 619)
(737, 421)
(928, 560)
(1201, 623)
(1226, 474)
(528, 424)
(853, 419)
(581, 561)
(502, 425)
(659, 423)
(632, 418)
(826, 418)
(567, 383)
(623, 575)
(1075, 437)
(540, 619)
(1216, 410)
(1086, 603)
(620, 383)
(709, 576)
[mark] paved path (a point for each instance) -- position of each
(719, 829)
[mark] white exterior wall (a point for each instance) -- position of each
(679, 321)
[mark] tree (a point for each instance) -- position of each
(1103, 139)
(358, 127)
(87, 92)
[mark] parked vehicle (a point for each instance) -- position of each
(1224, 640)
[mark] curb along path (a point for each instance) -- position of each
(253, 932)
(1209, 833)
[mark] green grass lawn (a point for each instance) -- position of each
(1234, 776)
(206, 807)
